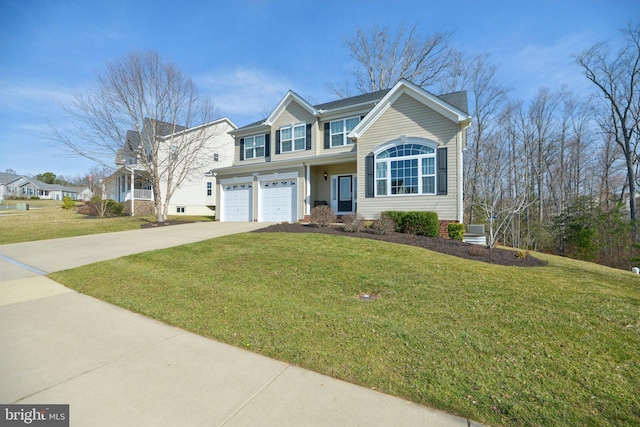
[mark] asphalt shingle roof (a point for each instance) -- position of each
(354, 100)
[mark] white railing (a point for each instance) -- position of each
(139, 194)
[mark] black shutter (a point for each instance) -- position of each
(241, 148)
(327, 130)
(267, 145)
(441, 161)
(278, 141)
(309, 136)
(369, 173)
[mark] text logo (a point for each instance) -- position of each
(34, 415)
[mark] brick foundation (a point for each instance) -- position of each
(444, 228)
(142, 208)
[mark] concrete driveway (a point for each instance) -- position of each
(117, 368)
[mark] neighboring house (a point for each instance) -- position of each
(397, 149)
(12, 185)
(196, 194)
(8, 185)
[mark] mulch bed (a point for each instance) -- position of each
(446, 246)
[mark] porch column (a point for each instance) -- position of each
(307, 200)
(133, 199)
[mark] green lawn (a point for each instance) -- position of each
(548, 346)
(46, 219)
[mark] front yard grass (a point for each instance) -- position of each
(556, 345)
(46, 219)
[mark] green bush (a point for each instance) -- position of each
(116, 208)
(456, 231)
(104, 207)
(68, 203)
(421, 223)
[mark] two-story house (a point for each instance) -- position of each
(396, 149)
(184, 154)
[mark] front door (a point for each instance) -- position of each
(345, 193)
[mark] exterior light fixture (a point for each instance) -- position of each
(325, 176)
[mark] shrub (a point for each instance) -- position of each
(115, 208)
(522, 254)
(384, 225)
(68, 203)
(323, 215)
(456, 231)
(104, 207)
(353, 222)
(422, 223)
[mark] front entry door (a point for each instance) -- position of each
(345, 193)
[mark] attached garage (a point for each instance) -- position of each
(278, 200)
(237, 202)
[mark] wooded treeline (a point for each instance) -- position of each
(552, 174)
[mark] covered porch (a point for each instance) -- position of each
(133, 184)
(335, 185)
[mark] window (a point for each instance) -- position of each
(339, 129)
(293, 138)
(254, 147)
(180, 209)
(216, 157)
(406, 169)
(209, 188)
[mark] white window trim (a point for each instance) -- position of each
(293, 138)
(402, 141)
(253, 149)
(345, 133)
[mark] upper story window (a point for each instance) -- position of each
(406, 169)
(254, 146)
(293, 138)
(339, 129)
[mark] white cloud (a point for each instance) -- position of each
(546, 65)
(31, 97)
(244, 94)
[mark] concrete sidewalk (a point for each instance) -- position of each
(115, 367)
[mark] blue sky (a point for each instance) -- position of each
(245, 54)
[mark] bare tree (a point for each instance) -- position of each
(617, 78)
(499, 200)
(488, 97)
(385, 56)
(151, 97)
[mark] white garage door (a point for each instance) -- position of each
(278, 201)
(236, 204)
